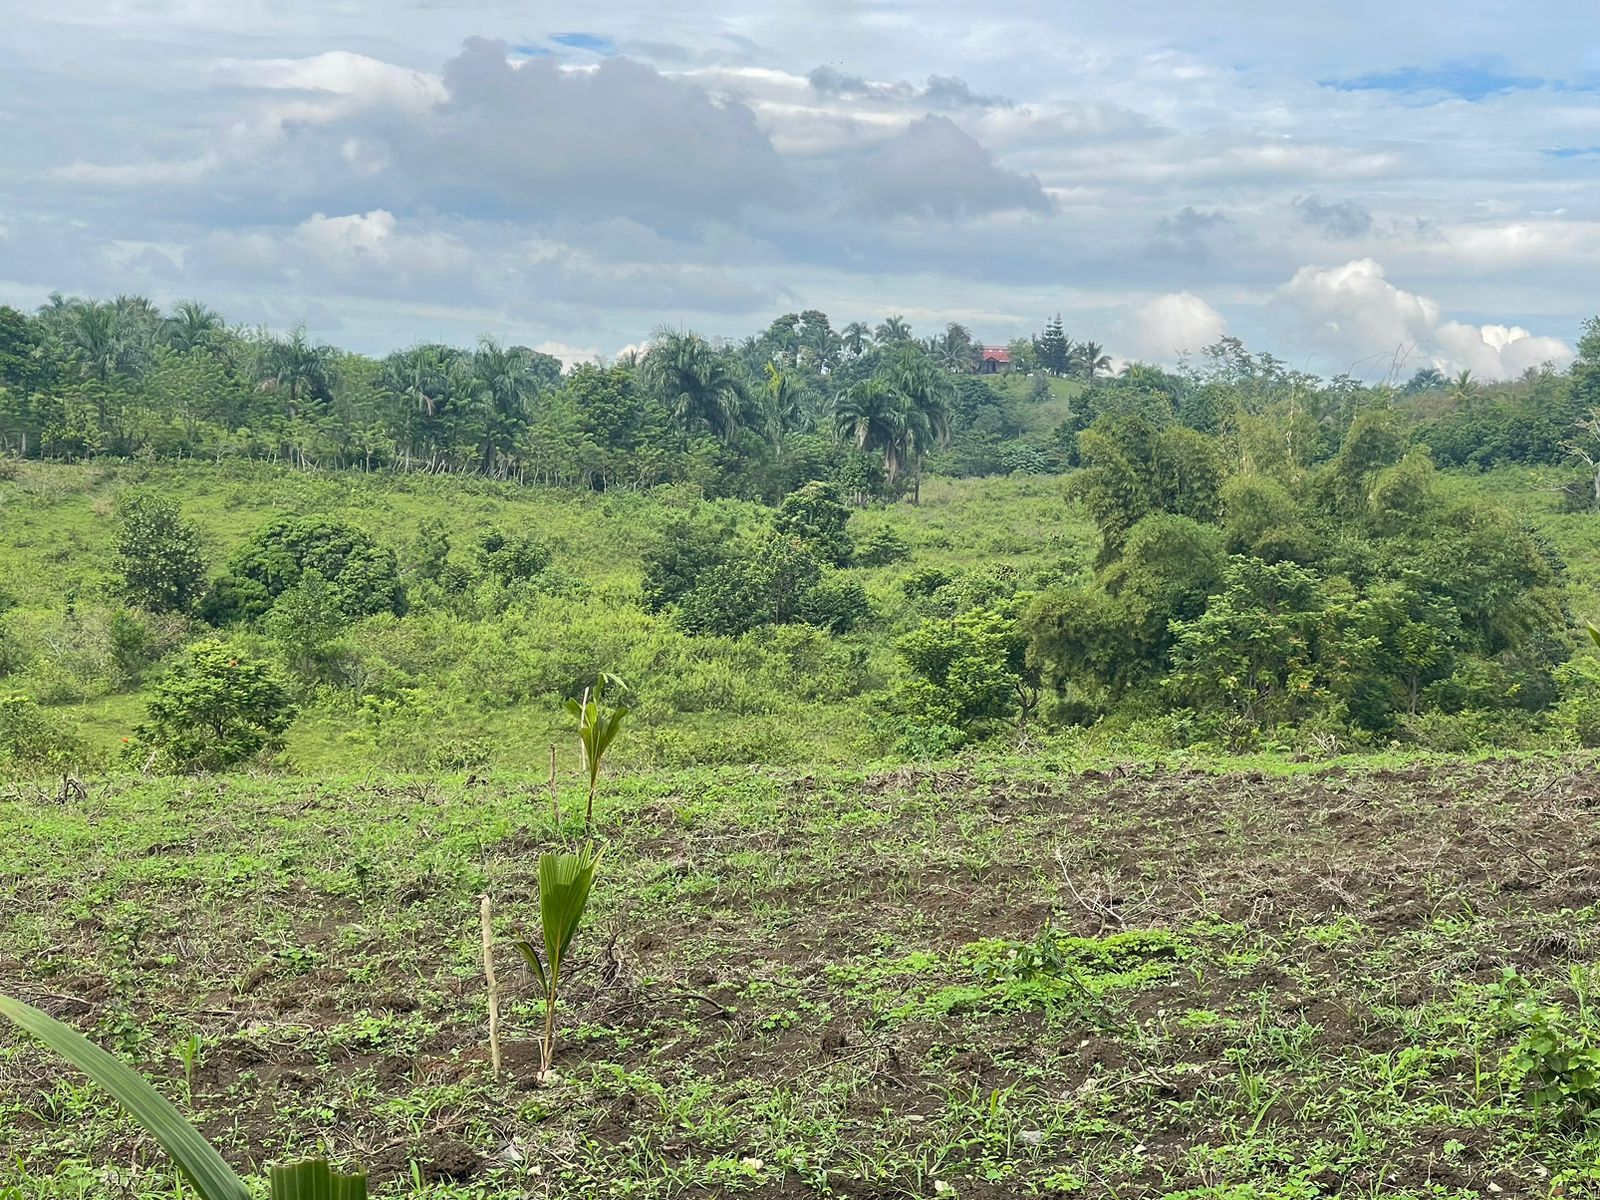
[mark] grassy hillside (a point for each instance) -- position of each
(488, 692)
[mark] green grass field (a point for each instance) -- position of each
(1071, 964)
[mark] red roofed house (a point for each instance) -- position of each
(994, 360)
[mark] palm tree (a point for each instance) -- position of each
(426, 380)
(1426, 379)
(901, 411)
(298, 366)
(956, 349)
(856, 337)
(925, 394)
(93, 338)
(192, 326)
(893, 329)
(870, 414)
(1092, 360)
(506, 384)
(699, 386)
(1463, 389)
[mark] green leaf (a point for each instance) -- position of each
(194, 1156)
(316, 1180)
(564, 884)
(531, 955)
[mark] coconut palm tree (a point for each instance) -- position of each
(1092, 360)
(700, 387)
(856, 338)
(192, 326)
(893, 329)
(298, 367)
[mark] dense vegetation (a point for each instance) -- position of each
(363, 601)
(1240, 555)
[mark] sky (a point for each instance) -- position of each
(1358, 187)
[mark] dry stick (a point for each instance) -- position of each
(555, 805)
(486, 911)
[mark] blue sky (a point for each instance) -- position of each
(1364, 187)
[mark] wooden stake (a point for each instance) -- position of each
(486, 911)
(555, 805)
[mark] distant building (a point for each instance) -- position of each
(994, 360)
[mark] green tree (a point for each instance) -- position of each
(307, 622)
(966, 670)
(159, 562)
(815, 514)
(700, 387)
(216, 708)
(510, 558)
(681, 556)
(1052, 348)
(767, 586)
(364, 575)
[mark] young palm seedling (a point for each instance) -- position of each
(194, 1157)
(597, 729)
(566, 878)
(564, 884)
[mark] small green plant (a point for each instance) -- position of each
(597, 729)
(1557, 1052)
(194, 1157)
(217, 707)
(565, 881)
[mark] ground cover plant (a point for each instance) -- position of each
(1019, 978)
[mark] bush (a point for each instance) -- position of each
(880, 547)
(364, 576)
(214, 709)
(765, 587)
(511, 559)
(686, 551)
(158, 560)
(836, 602)
(816, 515)
(1577, 713)
(966, 670)
(31, 737)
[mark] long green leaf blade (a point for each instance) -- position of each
(316, 1180)
(194, 1156)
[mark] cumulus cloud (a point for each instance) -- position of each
(619, 138)
(1168, 327)
(935, 168)
(1338, 219)
(1353, 312)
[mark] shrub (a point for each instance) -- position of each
(765, 587)
(511, 559)
(364, 576)
(307, 622)
(158, 560)
(836, 602)
(31, 737)
(880, 547)
(1578, 711)
(816, 515)
(685, 552)
(966, 670)
(214, 709)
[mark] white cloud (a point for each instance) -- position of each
(1168, 327)
(1354, 316)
